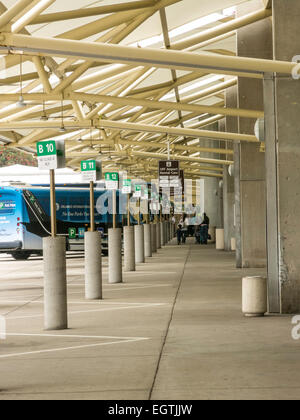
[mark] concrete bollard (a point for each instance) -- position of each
(220, 243)
(55, 284)
(93, 265)
(147, 240)
(129, 248)
(233, 244)
(115, 256)
(158, 238)
(153, 238)
(139, 244)
(162, 234)
(255, 296)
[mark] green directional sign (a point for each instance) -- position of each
(88, 165)
(91, 170)
(126, 187)
(72, 233)
(51, 154)
(112, 176)
(46, 148)
(112, 180)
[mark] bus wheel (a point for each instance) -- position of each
(21, 256)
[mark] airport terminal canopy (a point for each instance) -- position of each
(120, 80)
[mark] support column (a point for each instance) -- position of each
(237, 205)
(115, 256)
(55, 284)
(93, 265)
(254, 41)
(158, 236)
(129, 249)
(153, 238)
(282, 110)
(162, 234)
(148, 240)
(139, 244)
(228, 180)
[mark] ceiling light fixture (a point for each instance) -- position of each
(21, 103)
(62, 128)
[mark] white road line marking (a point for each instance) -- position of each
(5, 356)
(90, 311)
(100, 302)
(75, 336)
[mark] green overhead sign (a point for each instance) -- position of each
(51, 154)
(91, 170)
(112, 180)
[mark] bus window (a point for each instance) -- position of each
(7, 207)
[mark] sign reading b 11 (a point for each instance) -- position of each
(91, 170)
(51, 154)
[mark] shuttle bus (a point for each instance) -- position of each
(25, 218)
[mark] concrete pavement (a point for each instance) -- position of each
(173, 330)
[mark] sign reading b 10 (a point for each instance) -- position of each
(51, 154)
(91, 170)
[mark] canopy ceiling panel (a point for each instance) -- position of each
(66, 97)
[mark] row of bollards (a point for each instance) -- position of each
(140, 242)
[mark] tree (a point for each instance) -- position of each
(9, 156)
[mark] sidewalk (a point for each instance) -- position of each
(212, 351)
(173, 330)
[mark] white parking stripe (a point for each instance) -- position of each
(5, 356)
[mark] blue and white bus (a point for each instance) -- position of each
(25, 218)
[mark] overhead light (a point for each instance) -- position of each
(21, 103)
(62, 129)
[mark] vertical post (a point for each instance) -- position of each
(115, 248)
(55, 282)
(139, 212)
(114, 209)
(128, 211)
(93, 250)
(92, 206)
(53, 204)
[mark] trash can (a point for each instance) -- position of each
(255, 296)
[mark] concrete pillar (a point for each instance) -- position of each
(158, 236)
(237, 205)
(153, 238)
(139, 244)
(167, 232)
(282, 124)
(55, 284)
(162, 234)
(254, 41)
(228, 180)
(129, 248)
(115, 256)
(93, 265)
(148, 240)
(213, 194)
